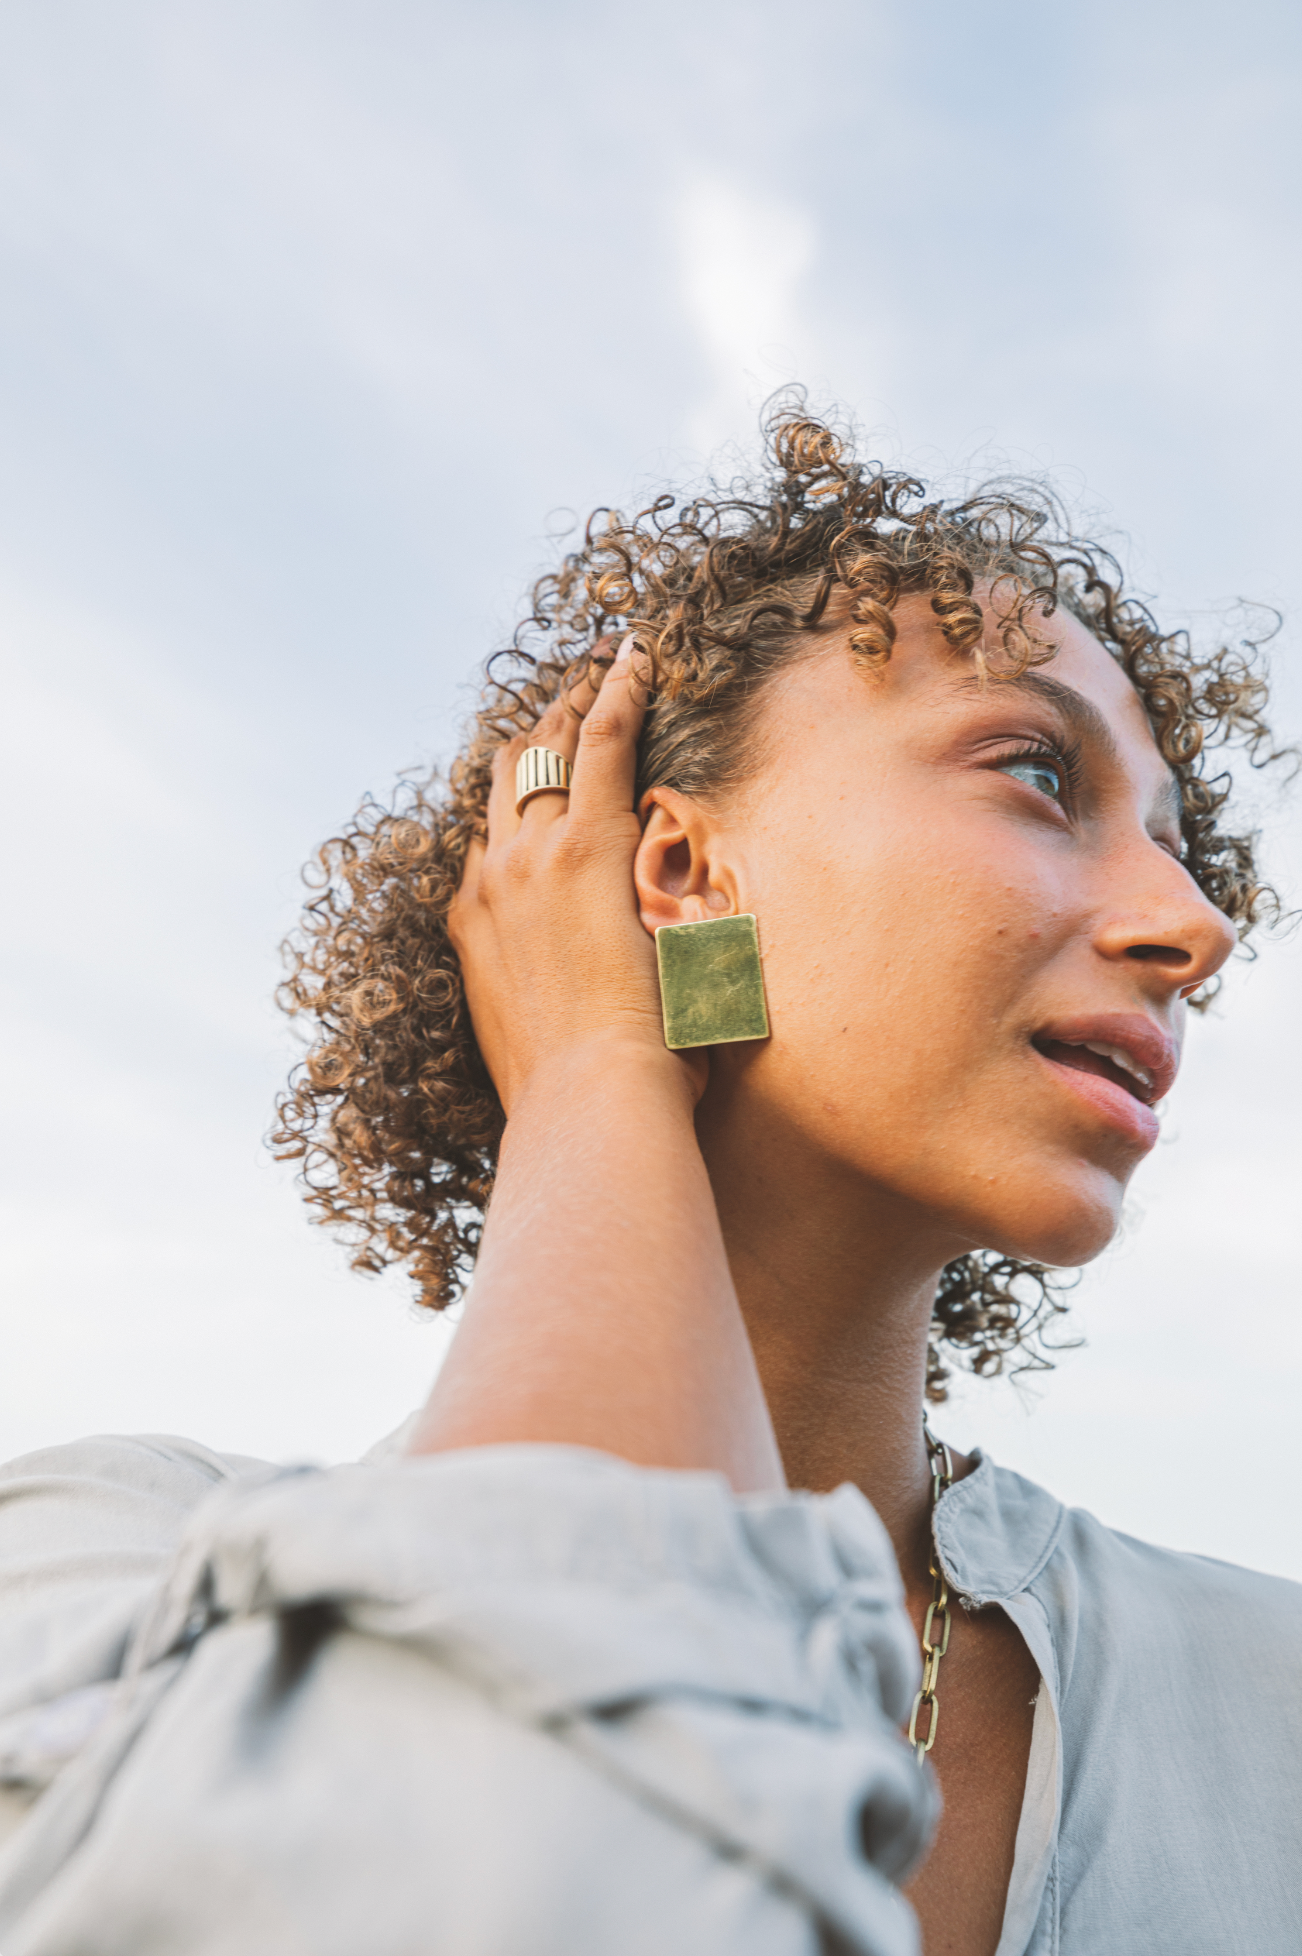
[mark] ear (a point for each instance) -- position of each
(676, 869)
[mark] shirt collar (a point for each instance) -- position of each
(995, 1532)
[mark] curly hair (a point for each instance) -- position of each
(393, 1114)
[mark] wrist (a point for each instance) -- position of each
(610, 1064)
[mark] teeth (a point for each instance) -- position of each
(1123, 1060)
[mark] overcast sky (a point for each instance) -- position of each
(319, 322)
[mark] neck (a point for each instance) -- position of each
(836, 1283)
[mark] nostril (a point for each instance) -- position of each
(1159, 953)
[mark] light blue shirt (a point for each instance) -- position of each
(1163, 1808)
(532, 1701)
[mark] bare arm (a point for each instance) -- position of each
(603, 1312)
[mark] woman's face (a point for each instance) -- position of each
(976, 930)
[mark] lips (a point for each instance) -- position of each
(1119, 1063)
(1106, 1062)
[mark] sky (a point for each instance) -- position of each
(321, 325)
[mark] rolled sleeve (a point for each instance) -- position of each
(86, 1533)
(507, 1702)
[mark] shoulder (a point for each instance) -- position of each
(1107, 1595)
(1220, 1596)
(130, 1459)
(1010, 1535)
(86, 1532)
(1200, 1640)
(136, 1488)
(1181, 1731)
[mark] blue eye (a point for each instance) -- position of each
(1044, 775)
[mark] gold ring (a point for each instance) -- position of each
(541, 771)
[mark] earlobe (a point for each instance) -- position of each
(711, 983)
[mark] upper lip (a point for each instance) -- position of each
(1129, 1039)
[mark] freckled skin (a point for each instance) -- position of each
(899, 1116)
(964, 912)
(729, 1261)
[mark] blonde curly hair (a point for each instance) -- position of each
(392, 1113)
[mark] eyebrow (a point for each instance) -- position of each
(1083, 718)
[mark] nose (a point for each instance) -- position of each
(1169, 926)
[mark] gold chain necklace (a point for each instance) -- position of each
(935, 1631)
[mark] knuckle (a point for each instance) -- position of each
(458, 930)
(575, 848)
(491, 878)
(466, 914)
(581, 847)
(603, 730)
(517, 866)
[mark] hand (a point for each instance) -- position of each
(554, 956)
(603, 1312)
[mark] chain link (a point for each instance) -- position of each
(934, 1643)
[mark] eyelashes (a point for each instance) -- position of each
(1058, 771)
(1054, 771)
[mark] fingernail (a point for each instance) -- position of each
(625, 652)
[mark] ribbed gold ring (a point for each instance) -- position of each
(541, 771)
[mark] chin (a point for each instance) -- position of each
(1064, 1225)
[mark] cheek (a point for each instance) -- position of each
(902, 981)
(918, 944)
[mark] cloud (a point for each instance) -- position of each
(743, 259)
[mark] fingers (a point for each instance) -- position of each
(557, 728)
(564, 717)
(560, 728)
(614, 697)
(606, 767)
(502, 818)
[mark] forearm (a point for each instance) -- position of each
(603, 1312)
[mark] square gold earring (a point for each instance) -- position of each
(711, 982)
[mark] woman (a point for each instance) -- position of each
(543, 1682)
